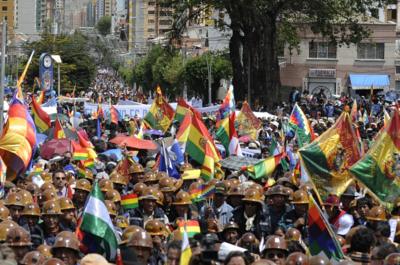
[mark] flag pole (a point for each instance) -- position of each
(2, 76)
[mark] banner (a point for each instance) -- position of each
(138, 110)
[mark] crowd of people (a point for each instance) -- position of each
(245, 221)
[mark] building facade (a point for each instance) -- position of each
(318, 66)
(7, 13)
(26, 17)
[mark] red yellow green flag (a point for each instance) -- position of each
(182, 108)
(160, 115)
(199, 144)
(130, 201)
(379, 169)
(79, 152)
(192, 227)
(265, 167)
(328, 158)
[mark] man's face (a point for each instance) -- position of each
(250, 208)
(278, 200)
(50, 221)
(231, 236)
(67, 255)
(31, 220)
(219, 199)
(69, 216)
(173, 256)
(277, 256)
(60, 180)
(363, 210)
(301, 209)
(80, 196)
(181, 210)
(148, 205)
(15, 212)
(143, 254)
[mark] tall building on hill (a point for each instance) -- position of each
(148, 21)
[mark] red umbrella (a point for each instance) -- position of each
(133, 142)
(244, 139)
(55, 147)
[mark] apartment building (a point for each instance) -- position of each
(319, 66)
(148, 20)
(7, 13)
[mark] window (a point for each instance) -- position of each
(150, 21)
(322, 50)
(397, 69)
(4, 8)
(151, 12)
(374, 12)
(371, 51)
(165, 22)
(397, 84)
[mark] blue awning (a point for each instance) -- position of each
(365, 81)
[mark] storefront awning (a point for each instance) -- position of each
(365, 81)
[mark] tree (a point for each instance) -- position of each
(167, 68)
(77, 68)
(196, 73)
(259, 26)
(104, 25)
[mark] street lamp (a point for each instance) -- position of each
(57, 59)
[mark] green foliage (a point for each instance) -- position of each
(126, 73)
(104, 25)
(260, 28)
(167, 68)
(77, 67)
(196, 73)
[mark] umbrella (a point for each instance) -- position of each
(55, 147)
(244, 139)
(154, 132)
(237, 162)
(70, 134)
(114, 152)
(133, 142)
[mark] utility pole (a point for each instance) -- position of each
(58, 80)
(249, 80)
(184, 63)
(3, 70)
(209, 70)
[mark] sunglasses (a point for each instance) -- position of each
(272, 255)
(61, 178)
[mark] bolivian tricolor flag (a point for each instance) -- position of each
(199, 144)
(160, 114)
(40, 117)
(182, 108)
(328, 158)
(129, 201)
(226, 133)
(79, 152)
(265, 167)
(192, 227)
(379, 170)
